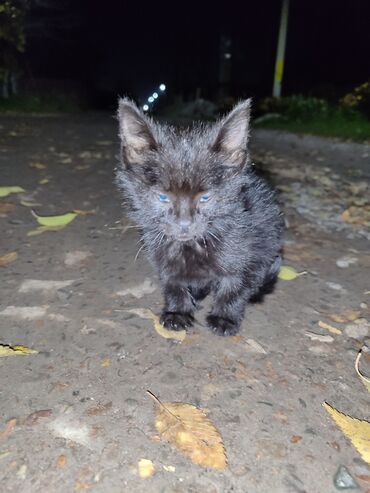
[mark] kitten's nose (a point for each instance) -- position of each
(184, 225)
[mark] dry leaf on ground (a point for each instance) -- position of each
(138, 291)
(357, 430)
(37, 166)
(8, 258)
(6, 350)
(345, 316)
(6, 207)
(25, 312)
(8, 428)
(319, 337)
(146, 468)
(190, 431)
(31, 285)
(178, 335)
(365, 380)
(287, 273)
(33, 418)
(328, 327)
(357, 215)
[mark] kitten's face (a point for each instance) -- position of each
(177, 184)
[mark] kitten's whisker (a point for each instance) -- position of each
(136, 256)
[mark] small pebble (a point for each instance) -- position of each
(343, 480)
(347, 261)
(335, 286)
(359, 329)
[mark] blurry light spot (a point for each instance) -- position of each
(155, 95)
(162, 87)
(145, 107)
(151, 99)
(227, 56)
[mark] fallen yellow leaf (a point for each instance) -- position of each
(5, 191)
(6, 350)
(7, 258)
(44, 181)
(105, 363)
(287, 273)
(53, 221)
(328, 327)
(146, 468)
(345, 316)
(190, 431)
(357, 215)
(365, 380)
(38, 166)
(178, 335)
(357, 430)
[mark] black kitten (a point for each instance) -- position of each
(209, 224)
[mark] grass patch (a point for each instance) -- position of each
(310, 115)
(356, 129)
(40, 104)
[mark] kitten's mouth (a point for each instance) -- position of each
(184, 237)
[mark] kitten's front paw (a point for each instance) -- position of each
(176, 321)
(222, 326)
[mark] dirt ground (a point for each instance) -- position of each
(83, 417)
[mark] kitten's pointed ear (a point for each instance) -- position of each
(233, 133)
(135, 132)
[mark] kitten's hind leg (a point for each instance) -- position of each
(179, 307)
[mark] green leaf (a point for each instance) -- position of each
(55, 221)
(5, 191)
(287, 273)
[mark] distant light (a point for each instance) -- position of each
(162, 87)
(151, 99)
(145, 107)
(155, 95)
(227, 56)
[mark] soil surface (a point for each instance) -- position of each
(76, 415)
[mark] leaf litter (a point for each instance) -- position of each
(188, 429)
(56, 223)
(8, 258)
(364, 379)
(31, 285)
(357, 430)
(5, 191)
(178, 335)
(18, 350)
(287, 273)
(146, 468)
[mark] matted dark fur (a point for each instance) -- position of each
(209, 224)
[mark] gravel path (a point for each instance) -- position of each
(76, 416)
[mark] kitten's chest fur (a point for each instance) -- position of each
(188, 262)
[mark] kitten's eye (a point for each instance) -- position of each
(163, 197)
(204, 198)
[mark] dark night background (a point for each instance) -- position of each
(112, 47)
